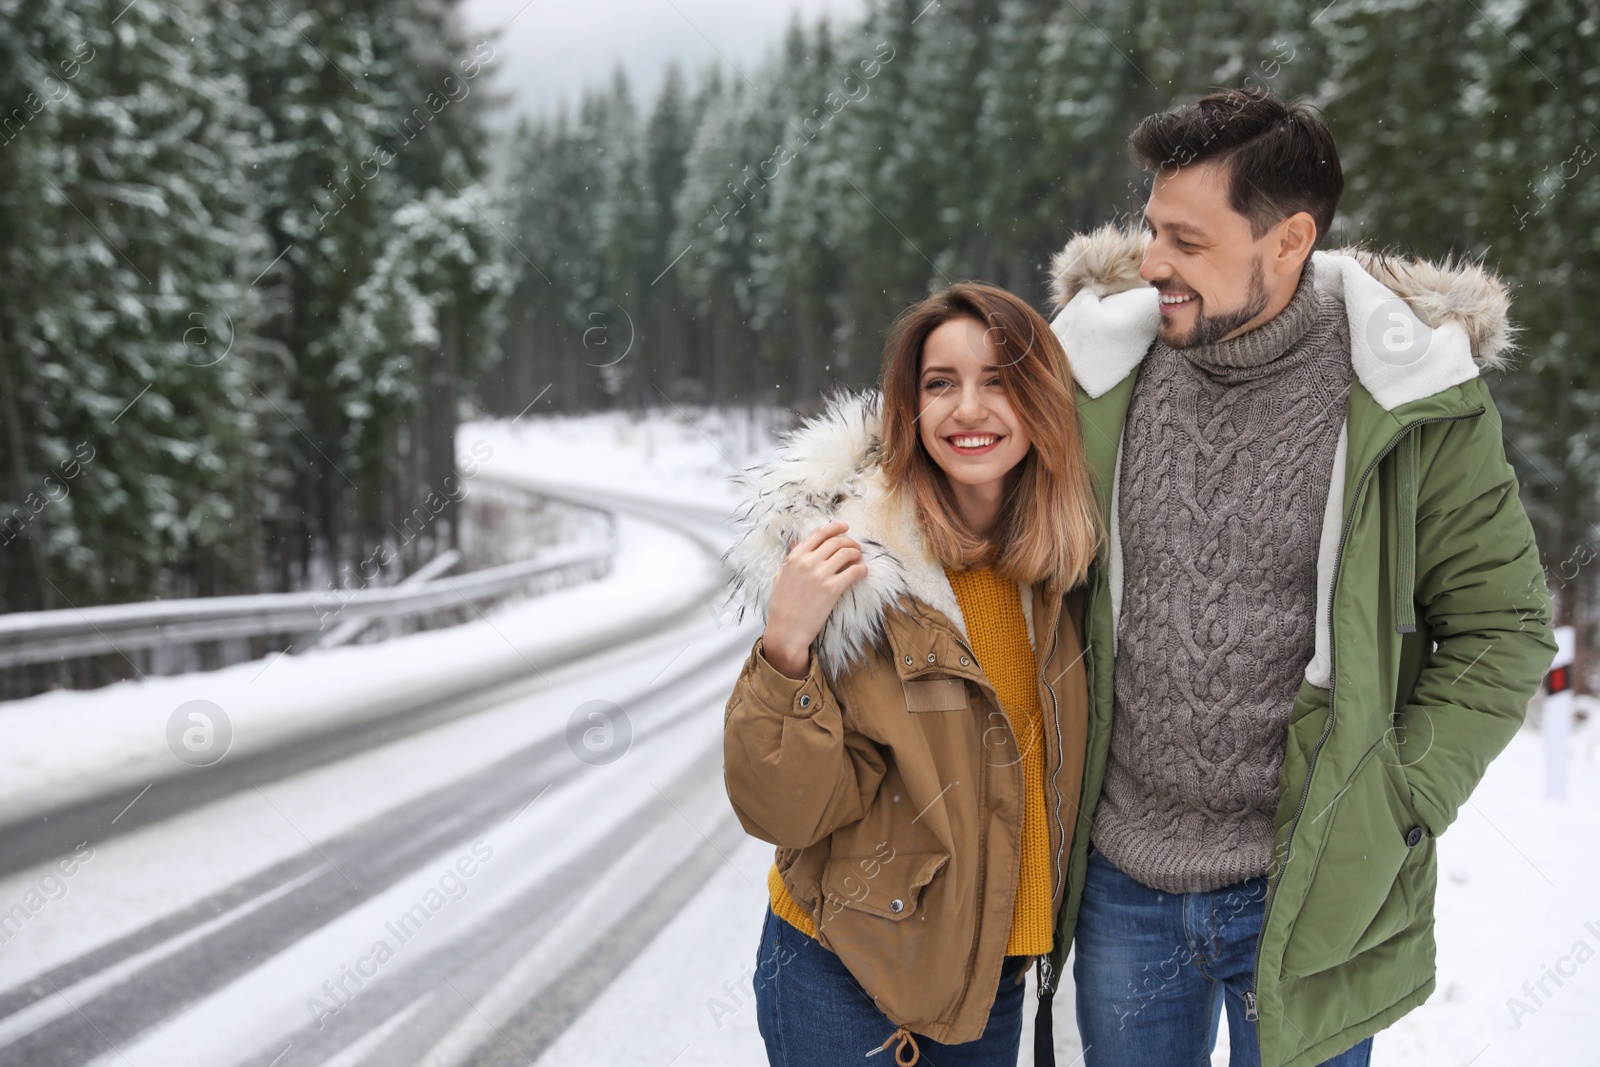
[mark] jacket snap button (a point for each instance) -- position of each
(931, 657)
(805, 700)
(897, 905)
(908, 661)
(1414, 837)
(965, 662)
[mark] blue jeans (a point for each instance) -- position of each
(813, 1013)
(1154, 971)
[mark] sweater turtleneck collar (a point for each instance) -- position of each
(1259, 351)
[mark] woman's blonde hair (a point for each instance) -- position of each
(1049, 526)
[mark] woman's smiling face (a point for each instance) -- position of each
(964, 418)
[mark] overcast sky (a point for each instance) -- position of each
(549, 50)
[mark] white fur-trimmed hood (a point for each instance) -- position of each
(829, 469)
(1416, 327)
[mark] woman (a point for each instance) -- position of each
(909, 728)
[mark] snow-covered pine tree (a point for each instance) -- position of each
(366, 110)
(127, 307)
(1404, 93)
(720, 207)
(880, 211)
(414, 331)
(664, 324)
(611, 320)
(798, 268)
(1541, 218)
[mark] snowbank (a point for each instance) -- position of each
(70, 745)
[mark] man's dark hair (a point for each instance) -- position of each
(1280, 158)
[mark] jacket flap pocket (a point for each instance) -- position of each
(887, 884)
(1357, 897)
(935, 694)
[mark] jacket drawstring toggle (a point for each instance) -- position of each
(903, 1032)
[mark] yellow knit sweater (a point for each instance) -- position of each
(998, 634)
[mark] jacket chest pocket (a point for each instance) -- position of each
(935, 694)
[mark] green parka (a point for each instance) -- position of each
(1432, 629)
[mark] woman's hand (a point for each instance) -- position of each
(815, 574)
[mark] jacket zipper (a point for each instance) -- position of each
(1046, 972)
(983, 824)
(1045, 976)
(1055, 714)
(1311, 765)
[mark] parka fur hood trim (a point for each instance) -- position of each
(829, 468)
(1416, 327)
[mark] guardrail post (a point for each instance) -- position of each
(1557, 714)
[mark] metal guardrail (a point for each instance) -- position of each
(46, 636)
(350, 629)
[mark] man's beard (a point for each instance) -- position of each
(1209, 329)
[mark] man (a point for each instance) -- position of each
(1319, 616)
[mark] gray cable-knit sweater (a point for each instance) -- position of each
(1227, 456)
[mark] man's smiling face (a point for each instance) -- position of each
(1210, 270)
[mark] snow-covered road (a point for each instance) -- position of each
(453, 889)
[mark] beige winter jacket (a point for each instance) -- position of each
(889, 777)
